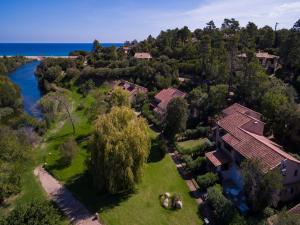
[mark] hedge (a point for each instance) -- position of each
(206, 180)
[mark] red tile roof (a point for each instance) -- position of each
(217, 158)
(295, 209)
(131, 87)
(248, 144)
(261, 55)
(142, 55)
(164, 97)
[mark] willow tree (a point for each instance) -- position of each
(119, 97)
(120, 147)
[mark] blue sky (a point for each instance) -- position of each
(120, 20)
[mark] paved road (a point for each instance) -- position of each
(72, 208)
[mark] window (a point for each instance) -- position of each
(296, 173)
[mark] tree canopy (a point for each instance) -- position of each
(176, 116)
(120, 148)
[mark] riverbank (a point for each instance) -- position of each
(39, 58)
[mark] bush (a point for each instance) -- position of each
(68, 150)
(207, 180)
(148, 114)
(196, 165)
(268, 212)
(35, 212)
(187, 159)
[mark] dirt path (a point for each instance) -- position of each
(72, 208)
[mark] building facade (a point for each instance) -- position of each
(239, 136)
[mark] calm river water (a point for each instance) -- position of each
(26, 80)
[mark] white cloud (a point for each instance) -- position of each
(266, 12)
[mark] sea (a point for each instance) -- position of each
(46, 49)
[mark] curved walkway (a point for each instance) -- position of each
(71, 207)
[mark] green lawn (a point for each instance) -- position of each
(140, 208)
(192, 146)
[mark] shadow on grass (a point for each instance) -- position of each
(82, 138)
(156, 153)
(59, 137)
(58, 165)
(81, 188)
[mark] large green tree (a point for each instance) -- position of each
(13, 154)
(262, 189)
(176, 117)
(120, 148)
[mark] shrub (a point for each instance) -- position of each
(268, 212)
(35, 212)
(68, 150)
(148, 114)
(80, 107)
(187, 159)
(196, 165)
(206, 180)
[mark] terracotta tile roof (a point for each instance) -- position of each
(142, 55)
(295, 209)
(248, 144)
(217, 158)
(242, 109)
(164, 97)
(131, 87)
(260, 55)
(265, 55)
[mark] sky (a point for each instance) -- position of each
(79, 21)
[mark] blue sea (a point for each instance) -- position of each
(46, 49)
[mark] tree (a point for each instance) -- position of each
(176, 117)
(217, 97)
(296, 26)
(278, 109)
(13, 154)
(34, 213)
(262, 189)
(9, 95)
(57, 103)
(119, 97)
(120, 148)
(197, 100)
(68, 150)
(223, 208)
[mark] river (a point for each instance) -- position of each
(26, 80)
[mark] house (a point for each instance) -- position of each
(295, 210)
(239, 136)
(132, 88)
(143, 55)
(126, 49)
(268, 61)
(162, 99)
